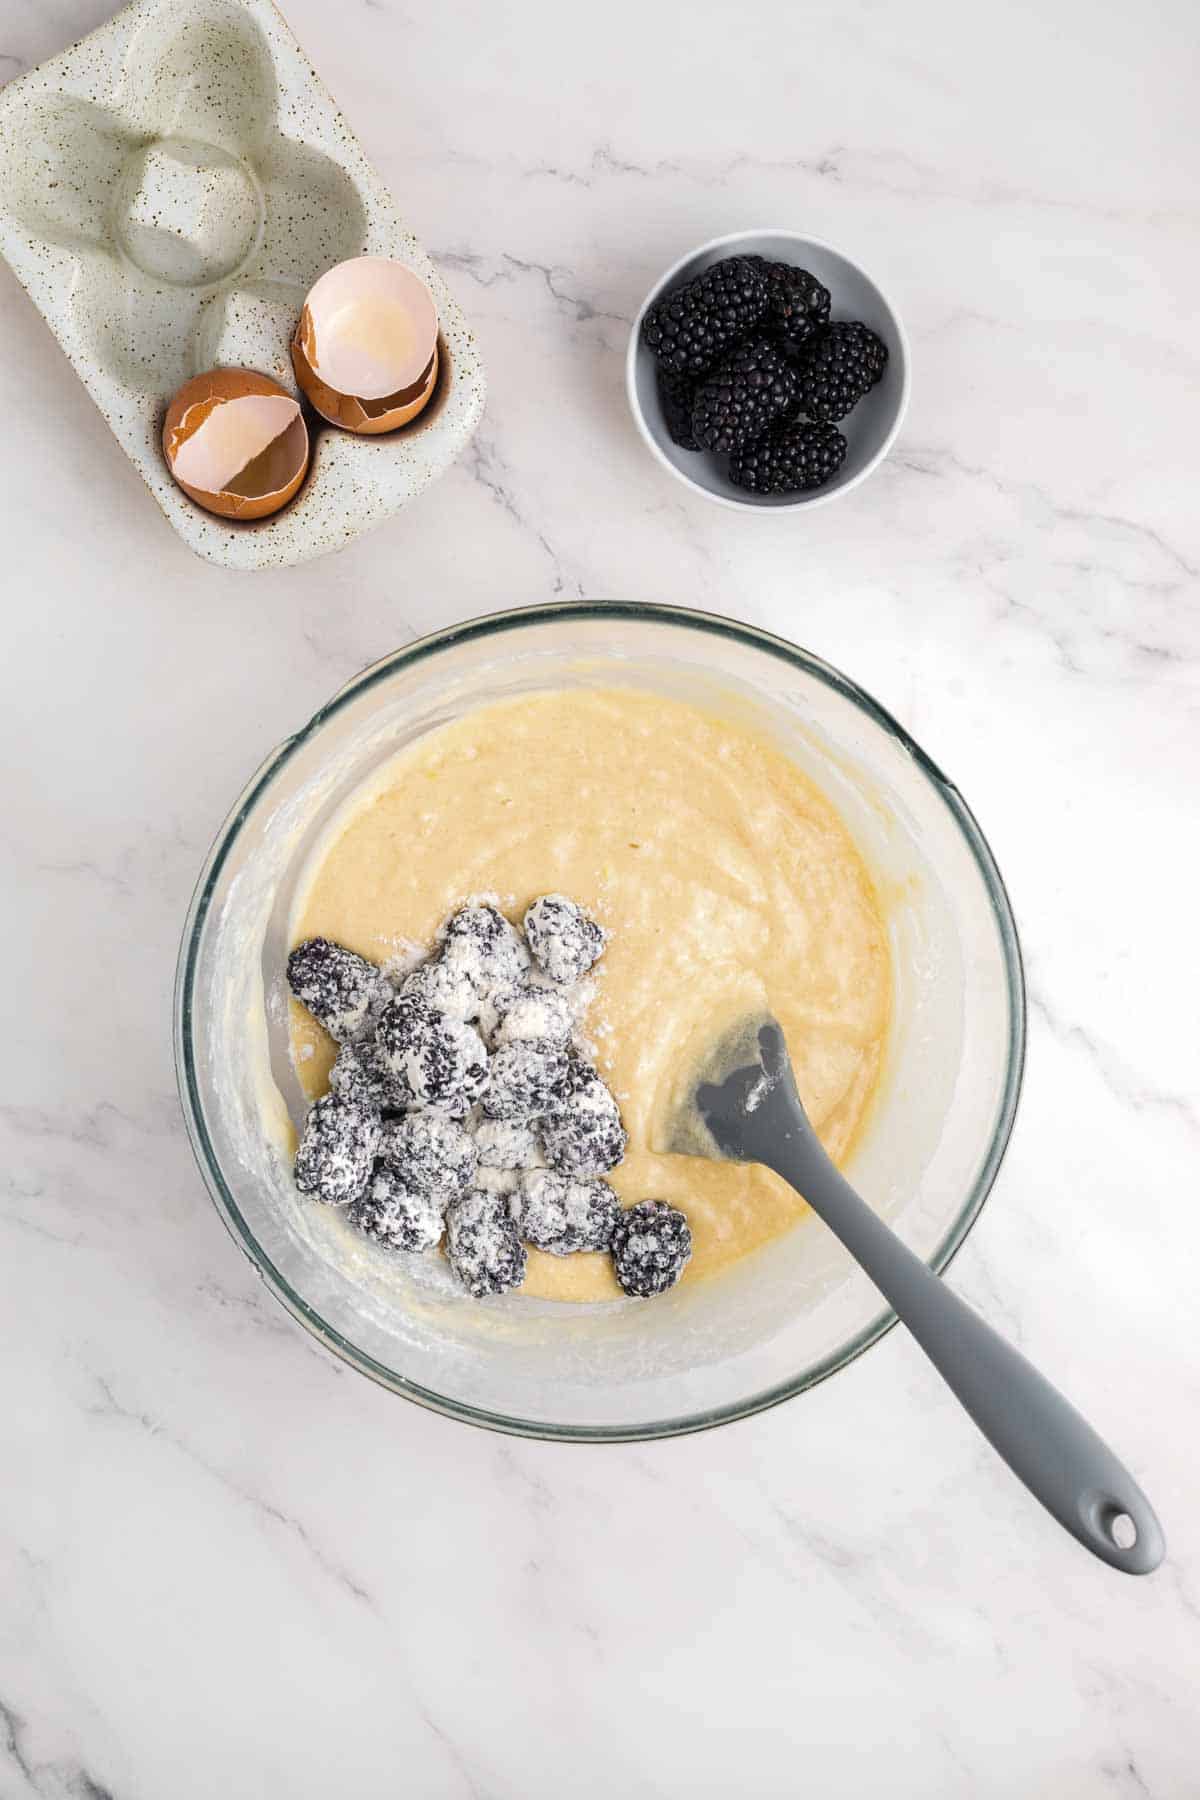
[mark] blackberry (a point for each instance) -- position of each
(444, 987)
(536, 1012)
(482, 1245)
(797, 302)
(504, 1144)
(789, 459)
(651, 1247)
(362, 1070)
(395, 1216)
(554, 1213)
(430, 1154)
(433, 1059)
(675, 395)
(479, 943)
(354, 1079)
(337, 1148)
(580, 1076)
(456, 1106)
(497, 1181)
(836, 368)
(564, 940)
(583, 1135)
(745, 396)
(341, 990)
(526, 1078)
(690, 330)
(496, 1003)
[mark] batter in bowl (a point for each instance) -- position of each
(729, 884)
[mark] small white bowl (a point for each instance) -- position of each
(870, 430)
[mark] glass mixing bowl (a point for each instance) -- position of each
(792, 1312)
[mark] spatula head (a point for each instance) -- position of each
(744, 1102)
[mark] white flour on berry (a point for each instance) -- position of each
(442, 1101)
(497, 1181)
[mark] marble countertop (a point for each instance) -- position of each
(230, 1565)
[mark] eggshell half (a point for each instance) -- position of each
(236, 443)
(365, 350)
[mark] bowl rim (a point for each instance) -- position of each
(495, 625)
(802, 502)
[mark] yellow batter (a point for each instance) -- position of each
(729, 884)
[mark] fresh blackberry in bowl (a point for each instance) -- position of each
(690, 330)
(744, 397)
(836, 368)
(797, 302)
(788, 460)
(675, 396)
(651, 1247)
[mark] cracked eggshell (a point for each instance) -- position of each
(236, 443)
(366, 346)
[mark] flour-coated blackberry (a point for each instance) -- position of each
(583, 1135)
(431, 1153)
(552, 1212)
(395, 1215)
(435, 1058)
(337, 1149)
(482, 1245)
(525, 1080)
(565, 941)
(651, 1247)
(341, 989)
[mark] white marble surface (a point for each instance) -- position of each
(231, 1566)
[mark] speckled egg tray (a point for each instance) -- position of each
(170, 188)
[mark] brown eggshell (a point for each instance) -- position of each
(365, 350)
(236, 443)
(366, 417)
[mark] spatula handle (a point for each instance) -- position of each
(1054, 1451)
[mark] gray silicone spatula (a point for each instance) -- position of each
(751, 1112)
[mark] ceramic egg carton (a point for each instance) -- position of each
(170, 188)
